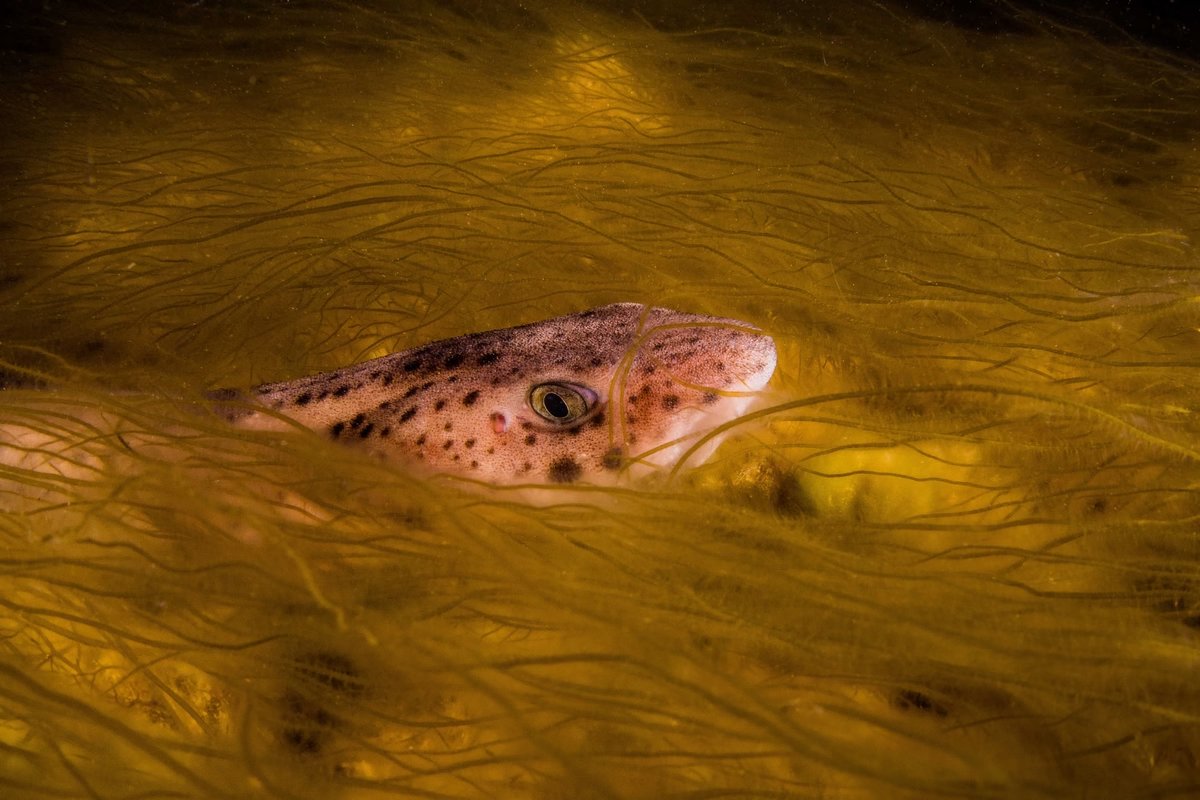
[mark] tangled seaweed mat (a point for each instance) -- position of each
(955, 555)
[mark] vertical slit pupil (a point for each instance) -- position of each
(555, 405)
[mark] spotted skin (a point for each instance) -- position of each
(655, 379)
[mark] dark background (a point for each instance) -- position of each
(1168, 24)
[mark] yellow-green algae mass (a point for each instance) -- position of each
(956, 556)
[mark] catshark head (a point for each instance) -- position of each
(590, 397)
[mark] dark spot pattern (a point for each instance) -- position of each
(332, 670)
(454, 361)
(341, 391)
(488, 358)
(564, 470)
(531, 439)
(309, 725)
(710, 398)
(228, 394)
(439, 405)
(470, 399)
(304, 399)
(412, 366)
(409, 414)
(336, 429)
(358, 420)
(366, 430)
(909, 699)
(670, 402)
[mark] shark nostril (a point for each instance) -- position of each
(499, 422)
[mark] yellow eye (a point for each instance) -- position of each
(561, 403)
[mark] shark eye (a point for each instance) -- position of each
(561, 403)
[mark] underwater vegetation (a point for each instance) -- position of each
(954, 551)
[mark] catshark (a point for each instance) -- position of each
(591, 397)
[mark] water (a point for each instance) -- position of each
(956, 555)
